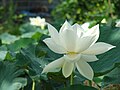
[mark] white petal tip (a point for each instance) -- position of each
(66, 76)
(97, 26)
(97, 59)
(66, 21)
(45, 41)
(44, 71)
(112, 47)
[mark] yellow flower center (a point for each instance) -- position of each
(71, 53)
(72, 56)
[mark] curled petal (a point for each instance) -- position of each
(54, 66)
(54, 47)
(98, 48)
(67, 68)
(85, 69)
(89, 58)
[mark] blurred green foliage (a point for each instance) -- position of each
(24, 55)
(9, 20)
(28, 53)
(81, 11)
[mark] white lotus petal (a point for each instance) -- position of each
(54, 66)
(85, 26)
(79, 29)
(54, 47)
(74, 27)
(53, 33)
(94, 31)
(68, 39)
(65, 26)
(67, 69)
(83, 43)
(72, 57)
(85, 69)
(89, 58)
(98, 48)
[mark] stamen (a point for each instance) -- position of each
(71, 53)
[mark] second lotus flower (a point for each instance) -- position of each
(78, 46)
(38, 21)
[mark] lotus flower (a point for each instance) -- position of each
(38, 21)
(78, 46)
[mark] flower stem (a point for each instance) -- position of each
(71, 79)
(33, 85)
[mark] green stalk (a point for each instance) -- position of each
(33, 85)
(71, 79)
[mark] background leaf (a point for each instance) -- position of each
(3, 55)
(21, 43)
(9, 77)
(8, 38)
(112, 77)
(109, 60)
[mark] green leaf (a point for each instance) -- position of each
(27, 58)
(27, 28)
(35, 35)
(3, 48)
(28, 35)
(3, 55)
(78, 87)
(112, 77)
(9, 77)
(3, 52)
(7, 38)
(21, 43)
